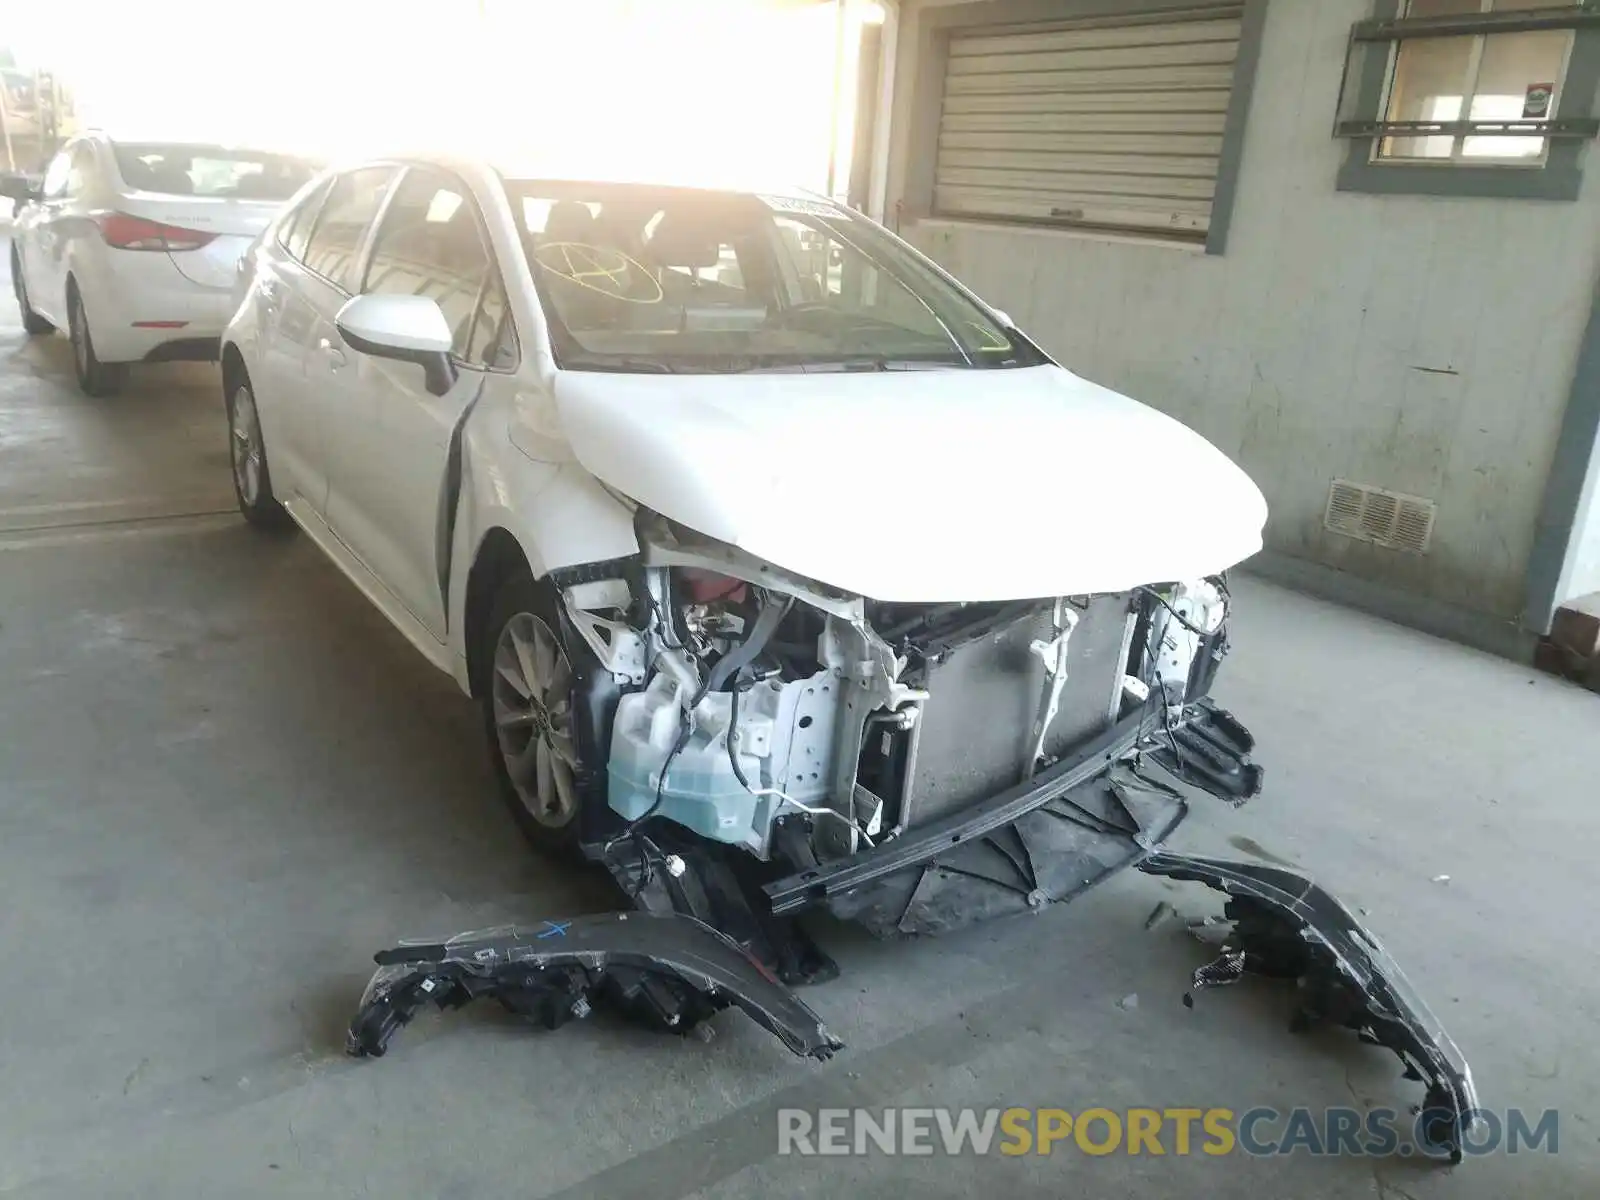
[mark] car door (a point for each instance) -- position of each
(387, 501)
(42, 231)
(284, 320)
(324, 279)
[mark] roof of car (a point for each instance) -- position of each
(567, 169)
(601, 169)
(135, 136)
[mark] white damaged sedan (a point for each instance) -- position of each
(786, 572)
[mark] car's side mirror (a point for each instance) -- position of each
(19, 188)
(409, 329)
(1003, 318)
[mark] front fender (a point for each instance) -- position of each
(559, 514)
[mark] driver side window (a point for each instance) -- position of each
(430, 244)
(81, 169)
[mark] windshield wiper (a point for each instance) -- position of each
(624, 364)
(742, 364)
(881, 362)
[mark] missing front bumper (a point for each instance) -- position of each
(1092, 813)
(924, 846)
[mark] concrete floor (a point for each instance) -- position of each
(224, 782)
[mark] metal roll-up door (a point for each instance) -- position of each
(1112, 122)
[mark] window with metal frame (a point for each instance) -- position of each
(1103, 122)
(1468, 83)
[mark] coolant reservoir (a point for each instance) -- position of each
(701, 792)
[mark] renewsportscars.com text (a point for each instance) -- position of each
(1214, 1132)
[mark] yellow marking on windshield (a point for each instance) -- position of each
(598, 268)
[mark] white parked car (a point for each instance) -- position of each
(786, 572)
(131, 247)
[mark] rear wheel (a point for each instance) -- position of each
(530, 708)
(95, 378)
(252, 480)
(32, 322)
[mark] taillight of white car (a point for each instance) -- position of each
(124, 232)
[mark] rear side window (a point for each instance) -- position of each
(57, 175)
(429, 245)
(81, 170)
(335, 243)
(294, 231)
(182, 169)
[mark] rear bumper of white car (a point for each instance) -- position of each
(141, 308)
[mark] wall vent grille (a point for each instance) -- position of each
(1384, 518)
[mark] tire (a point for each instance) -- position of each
(32, 322)
(532, 729)
(95, 378)
(247, 453)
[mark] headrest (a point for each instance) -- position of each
(569, 221)
(684, 238)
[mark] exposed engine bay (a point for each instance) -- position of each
(765, 712)
(759, 745)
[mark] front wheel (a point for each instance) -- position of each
(530, 708)
(95, 378)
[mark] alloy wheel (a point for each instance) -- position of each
(79, 336)
(532, 700)
(245, 428)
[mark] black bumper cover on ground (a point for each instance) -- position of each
(668, 971)
(1286, 927)
(1095, 812)
(1085, 817)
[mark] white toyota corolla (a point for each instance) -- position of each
(589, 444)
(786, 572)
(130, 247)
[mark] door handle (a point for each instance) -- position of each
(335, 356)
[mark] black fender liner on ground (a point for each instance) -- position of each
(1286, 927)
(665, 970)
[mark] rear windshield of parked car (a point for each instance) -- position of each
(649, 279)
(192, 170)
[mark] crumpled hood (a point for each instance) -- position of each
(922, 486)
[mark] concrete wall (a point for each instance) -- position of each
(1422, 344)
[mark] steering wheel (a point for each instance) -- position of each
(601, 269)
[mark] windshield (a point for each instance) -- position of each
(187, 170)
(649, 279)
